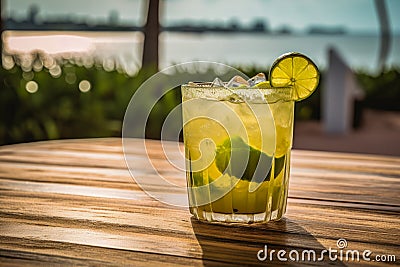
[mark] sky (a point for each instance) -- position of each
(354, 15)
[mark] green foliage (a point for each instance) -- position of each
(60, 110)
(382, 90)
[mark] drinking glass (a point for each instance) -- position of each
(237, 151)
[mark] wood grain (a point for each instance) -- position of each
(73, 202)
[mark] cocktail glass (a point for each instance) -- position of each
(237, 149)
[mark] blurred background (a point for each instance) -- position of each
(69, 68)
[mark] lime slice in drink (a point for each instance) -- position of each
(231, 158)
(297, 70)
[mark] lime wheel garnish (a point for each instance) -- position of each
(296, 70)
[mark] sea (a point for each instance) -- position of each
(124, 49)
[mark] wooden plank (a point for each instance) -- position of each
(73, 202)
(85, 147)
(325, 221)
(216, 242)
(30, 252)
(304, 183)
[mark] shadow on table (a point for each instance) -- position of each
(227, 245)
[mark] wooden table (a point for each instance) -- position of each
(73, 202)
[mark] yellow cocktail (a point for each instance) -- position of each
(243, 169)
(237, 145)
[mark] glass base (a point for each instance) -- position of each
(210, 216)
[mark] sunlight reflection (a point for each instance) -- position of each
(31, 87)
(27, 76)
(70, 78)
(54, 44)
(84, 86)
(37, 65)
(38, 50)
(55, 71)
(8, 62)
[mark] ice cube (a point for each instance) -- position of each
(217, 83)
(257, 79)
(237, 81)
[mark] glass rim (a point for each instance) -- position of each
(267, 94)
(207, 85)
